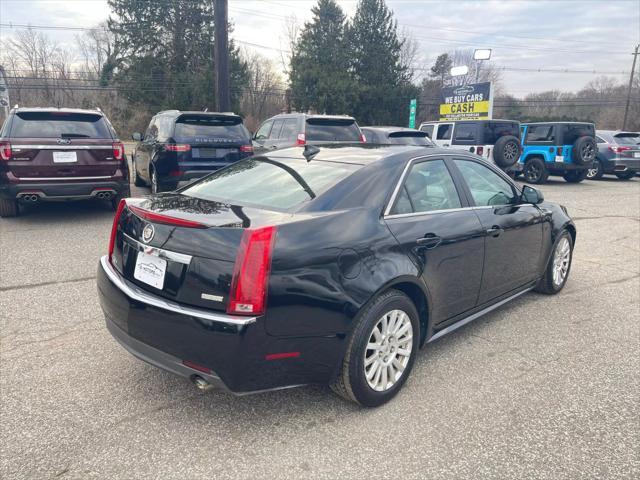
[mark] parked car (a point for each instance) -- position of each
(396, 136)
(557, 148)
(59, 154)
(496, 140)
(325, 265)
(182, 146)
(618, 154)
(289, 129)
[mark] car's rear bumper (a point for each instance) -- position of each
(53, 190)
(232, 353)
(622, 165)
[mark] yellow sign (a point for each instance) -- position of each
(466, 102)
(475, 108)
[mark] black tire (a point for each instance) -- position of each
(625, 175)
(8, 208)
(584, 151)
(547, 284)
(575, 176)
(596, 171)
(115, 201)
(137, 180)
(535, 171)
(506, 151)
(351, 382)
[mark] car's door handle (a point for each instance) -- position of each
(494, 231)
(273, 147)
(430, 240)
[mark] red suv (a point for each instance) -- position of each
(53, 154)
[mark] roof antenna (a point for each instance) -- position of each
(310, 151)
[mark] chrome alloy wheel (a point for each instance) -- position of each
(561, 259)
(388, 351)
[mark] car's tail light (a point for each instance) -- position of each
(251, 272)
(559, 151)
(5, 151)
(363, 139)
(176, 173)
(118, 151)
(301, 140)
(165, 219)
(479, 150)
(173, 147)
(114, 228)
(246, 148)
(617, 149)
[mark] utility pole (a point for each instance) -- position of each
(4, 93)
(220, 17)
(633, 69)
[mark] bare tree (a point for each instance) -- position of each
(487, 72)
(409, 53)
(265, 94)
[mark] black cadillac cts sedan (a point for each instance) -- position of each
(329, 265)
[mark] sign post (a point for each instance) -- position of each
(412, 113)
(467, 102)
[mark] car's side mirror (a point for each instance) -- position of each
(137, 136)
(532, 195)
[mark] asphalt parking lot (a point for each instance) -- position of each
(545, 387)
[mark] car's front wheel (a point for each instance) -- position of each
(596, 171)
(381, 351)
(557, 272)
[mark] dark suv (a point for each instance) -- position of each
(51, 154)
(181, 146)
(290, 129)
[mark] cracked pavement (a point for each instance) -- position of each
(544, 387)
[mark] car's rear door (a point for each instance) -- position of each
(62, 145)
(442, 236)
(513, 231)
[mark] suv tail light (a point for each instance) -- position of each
(617, 149)
(363, 139)
(118, 151)
(114, 228)
(246, 148)
(5, 151)
(301, 140)
(177, 147)
(165, 219)
(251, 272)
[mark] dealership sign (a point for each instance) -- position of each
(467, 102)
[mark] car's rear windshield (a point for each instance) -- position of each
(495, 130)
(628, 138)
(209, 128)
(332, 130)
(270, 184)
(59, 125)
(409, 138)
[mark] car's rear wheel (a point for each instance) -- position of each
(575, 176)
(8, 208)
(381, 351)
(557, 272)
(596, 171)
(534, 171)
(506, 151)
(625, 175)
(137, 180)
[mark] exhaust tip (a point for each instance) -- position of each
(201, 383)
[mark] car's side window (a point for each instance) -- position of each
(275, 131)
(264, 130)
(540, 133)
(427, 187)
(444, 131)
(289, 129)
(600, 140)
(465, 133)
(152, 131)
(428, 129)
(486, 186)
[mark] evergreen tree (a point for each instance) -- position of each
(319, 73)
(383, 83)
(167, 54)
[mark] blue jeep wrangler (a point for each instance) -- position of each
(557, 148)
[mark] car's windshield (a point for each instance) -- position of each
(272, 184)
(59, 125)
(332, 130)
(207, 128)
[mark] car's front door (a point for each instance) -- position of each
(442, 236)
(145, 150)
(261, 136)
(513, 230)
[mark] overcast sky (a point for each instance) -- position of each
(557, 34)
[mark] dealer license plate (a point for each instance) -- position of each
(150, 270)
(65, 157)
